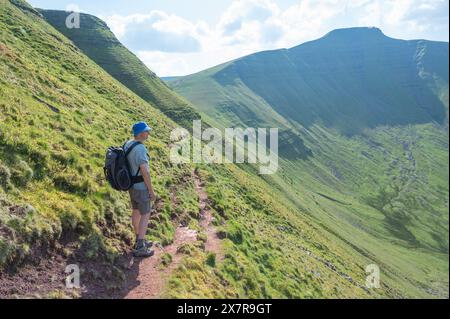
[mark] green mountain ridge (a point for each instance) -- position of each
(303, 233)
(345, 77)
(373, 113)
(96, 40)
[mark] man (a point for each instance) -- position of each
(142, 194)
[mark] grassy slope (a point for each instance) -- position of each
(96, 41)
(383, 190)
(59, 112)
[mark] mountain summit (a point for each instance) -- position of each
(350, 79)
(356, 33)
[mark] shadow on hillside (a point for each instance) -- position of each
(111, 281)
(131, 273)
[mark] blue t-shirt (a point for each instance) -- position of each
(136, 158)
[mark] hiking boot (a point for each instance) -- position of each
(143, 252)
(147, 244)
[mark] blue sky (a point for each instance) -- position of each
(179, 37)
(209, 11)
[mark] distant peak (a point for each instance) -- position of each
(355, 32)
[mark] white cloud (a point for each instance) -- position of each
(241, 11)
(408, 18)
(309, 19)
(165, 63)
(156, 31)
(172, 45)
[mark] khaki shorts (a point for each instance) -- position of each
(140, 200)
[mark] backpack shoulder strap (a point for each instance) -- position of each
(128, 151)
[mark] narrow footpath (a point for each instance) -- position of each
(146, 279)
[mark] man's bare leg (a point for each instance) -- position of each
(143, 224)
(135, 219)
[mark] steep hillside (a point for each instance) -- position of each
(373, 113)
(59, 111)
(96, 41)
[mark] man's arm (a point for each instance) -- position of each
(147, 180)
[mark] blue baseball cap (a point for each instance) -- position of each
(140, 127)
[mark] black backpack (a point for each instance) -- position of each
(117, 168)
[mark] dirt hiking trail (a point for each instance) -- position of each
(147, 278)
